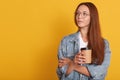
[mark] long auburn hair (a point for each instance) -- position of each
(95, 40)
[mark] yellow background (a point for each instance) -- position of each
(30, 32)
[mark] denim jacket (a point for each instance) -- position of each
(69, 47)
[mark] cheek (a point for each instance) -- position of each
(88, 21)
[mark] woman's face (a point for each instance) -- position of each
(83, 16)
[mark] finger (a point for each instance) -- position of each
(59, 65)
(83, 52)
(79, 60)
(82, 61)
(81, 57)
(76, 60)
(76, 56)
(79, 53)
(61, 61)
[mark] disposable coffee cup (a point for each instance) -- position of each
(87, 54)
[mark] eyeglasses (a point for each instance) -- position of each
(83, 15)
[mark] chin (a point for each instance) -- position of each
(80, 26)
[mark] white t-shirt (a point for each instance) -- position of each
(82, 43)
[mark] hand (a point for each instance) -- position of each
(79, 58)
(64, 61)
(70, 68)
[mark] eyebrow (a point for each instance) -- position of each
(83, 11)
(86, 11)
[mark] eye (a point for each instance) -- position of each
(85, 14)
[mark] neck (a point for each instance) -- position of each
(84, 32)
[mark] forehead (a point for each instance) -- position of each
(83, 8)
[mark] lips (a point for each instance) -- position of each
(79, 21)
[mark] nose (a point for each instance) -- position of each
(79, 16)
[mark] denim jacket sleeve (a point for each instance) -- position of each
(61, 53)
(98, 72)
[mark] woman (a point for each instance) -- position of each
(72, 64)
